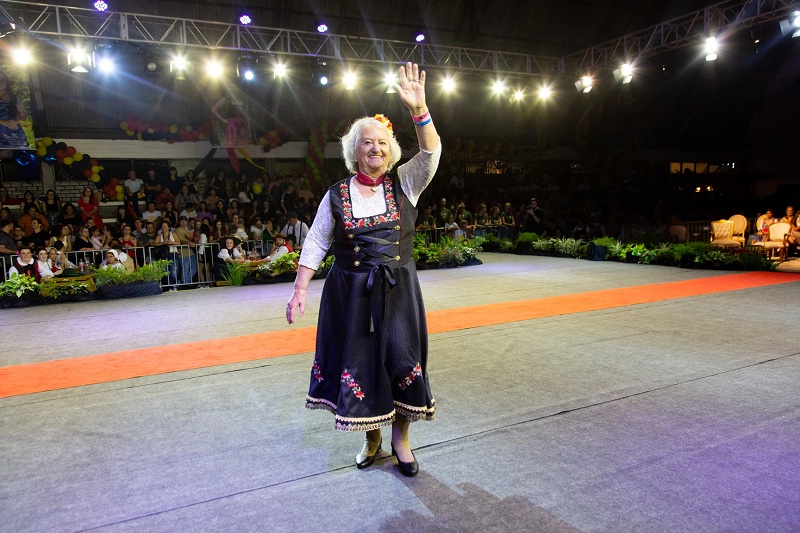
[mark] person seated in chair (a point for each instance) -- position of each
(24, 264)
(281, 247)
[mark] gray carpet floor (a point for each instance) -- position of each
(680, 415)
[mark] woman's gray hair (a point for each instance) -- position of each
(349, 140)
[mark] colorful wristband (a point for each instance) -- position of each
(423, 123)
(421, 117)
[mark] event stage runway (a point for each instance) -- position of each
(571, 396)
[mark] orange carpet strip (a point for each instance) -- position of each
(65, 373)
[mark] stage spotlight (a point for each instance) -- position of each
(280, 70)
(791, 26)
(321, 72)
(624, 73)
(246, 68)
(419, 36)
(322, 28)
(244, 19)
(105, 64)
(214, 68)
(152, 63)
(390, 79)
(21, 55)
(449, 84)
(711, 48)
(584, 85)
(349, 80)
(545, 92)
(518, 95)
(499, 87)
(100, 6)
(80, 61)
(178, 66)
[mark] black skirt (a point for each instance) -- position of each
(372, 349)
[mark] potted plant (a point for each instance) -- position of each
(144, 281)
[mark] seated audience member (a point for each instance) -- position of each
(7, 199)
(218, 230)
(257, 229)
(89, 207)
(99, 239)
(112, 260)
(28, 200)
(57, 259)
(281, 247)
(189, 211)
(19, 235)
(70, 216)
(791, 218)
(63, 233)
(138, 227)
(170, 214)
(762, 232)
(203, 213)
(83, 242)
(152, 214)
(163, 198)
(461, 231)
(24, 264)
(450, 226)
(234, 210)
(185, 197)
(149, 235)
(39, 237)
(426, 220)
(7, 245)
(127, 239)
(31, 213)
(240, 232)
(124, 218)
(219, 212)
(51, 206)
(212, 199)
(174, 182)
(295, 228)
(190, 182)
(44, 266)
(229, 250)
(5, 215)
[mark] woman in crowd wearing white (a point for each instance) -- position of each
(370, 366)
(44, 266)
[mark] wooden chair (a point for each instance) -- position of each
(722, 234)
(777, 240)
(739, 228)
(678, 233)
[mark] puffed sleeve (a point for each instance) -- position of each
(417, 173)
(320, 236)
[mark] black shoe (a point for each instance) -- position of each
(407, 469)
(363, 461)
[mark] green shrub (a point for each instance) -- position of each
(281, 265)
(17, 285)
(50, 289)
(152, 272)
(528, 237)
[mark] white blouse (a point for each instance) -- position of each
(414, 176)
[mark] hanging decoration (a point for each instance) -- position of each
(60, 153)
(272, 139)
(316, 147)
(154, 131)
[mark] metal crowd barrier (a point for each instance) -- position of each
(192, 266)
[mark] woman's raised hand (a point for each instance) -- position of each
(411, 88)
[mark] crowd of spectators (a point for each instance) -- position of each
(178, 213)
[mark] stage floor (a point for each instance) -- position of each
(571, 396)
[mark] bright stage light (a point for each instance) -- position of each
(80, 60)
(624, 73)
(499, 87)
(545, 92)
(449, 84)
(22, 56)
(245, 19)
(791, 26)
(280, 70)
(106, 65)
(246, 68)
(420, 37)
(214, 68)
(390, 80)
(349, 80)
(711, 48)
(519, 94)
(322, 28)
(584, 85)
(100, 6)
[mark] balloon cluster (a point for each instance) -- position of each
(153, 131)
(273, 139)
(114, 190)
(316, 147)
(58, 152)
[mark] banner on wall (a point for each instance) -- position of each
(231, 121)
(16, 128)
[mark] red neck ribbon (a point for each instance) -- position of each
(366, 180)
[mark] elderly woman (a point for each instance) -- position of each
(370, 367)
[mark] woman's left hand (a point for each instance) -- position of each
(411, 88)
